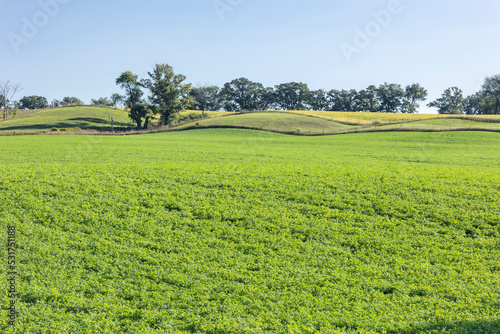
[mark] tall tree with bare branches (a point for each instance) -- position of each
(7, 92)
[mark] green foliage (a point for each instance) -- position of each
(102, 101)
(490, 95)
(116, 99)
(472, 104)
(233, 231)
(71, 101)
(243, 94)
(139, 110)
(186, 117)
(317, 100)
(291, 96)
(391, 97)
(169, 95)
(343, 100)
(413, 95)
(451, 102)
(33, 102)
(367, 100)
(206, 98)
(55, 103)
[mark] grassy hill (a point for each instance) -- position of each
(366, 118)
(67, 118)
(273, 121)
(317, 123)
(238, 231)
(293, 122)
(448, 124)
(359, 118)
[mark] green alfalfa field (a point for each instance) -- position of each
(243, 231)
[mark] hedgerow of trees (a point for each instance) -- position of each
(66, 101)
(169, 94)
(242, 94)
(484, 102)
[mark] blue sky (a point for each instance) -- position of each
(78, 48)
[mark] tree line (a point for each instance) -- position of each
(242, 94)
(169, 94)
(484, 102)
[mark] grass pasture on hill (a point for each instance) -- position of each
(274, 121)
(83, 117)
(364, 118)
(207, 113)
(446, 124)
(75, 119)
(238, 231)
(367, 118)
(295, 123)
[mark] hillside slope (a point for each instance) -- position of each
(274, 121)
(313, 123)
(291, 122)
(69, 117)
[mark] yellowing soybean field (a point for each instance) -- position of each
(240, 231)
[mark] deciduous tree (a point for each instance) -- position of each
(291, 96)
(102, 101)
(7, 92)
(55, 103)
(490, 92)
(366, 100)
(472, 104)
(33, 102)
(242, 94)
(133, 98)
(116, 99)
(169, 95)
(390, 97)
(71, 101)
(451, 102)
(342, 100)
(317, 100)
(413, 95)
(206, 98)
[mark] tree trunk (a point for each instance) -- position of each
(5, 110)
(138, 121)
(146, 122)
